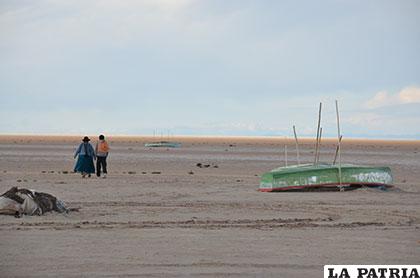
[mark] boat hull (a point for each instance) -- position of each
(163, 144)
(324, 177)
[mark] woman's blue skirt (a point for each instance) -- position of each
(84, 164)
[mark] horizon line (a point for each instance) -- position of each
(207, 136)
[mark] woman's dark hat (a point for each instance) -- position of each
(86, 139)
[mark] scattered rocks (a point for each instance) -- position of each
(201, 165)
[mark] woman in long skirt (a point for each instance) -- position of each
(84, 164)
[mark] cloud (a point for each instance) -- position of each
(405, 96)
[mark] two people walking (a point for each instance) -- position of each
(86, 155)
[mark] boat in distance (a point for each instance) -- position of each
(163, 144)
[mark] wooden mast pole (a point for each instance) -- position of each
(297, 146)
(317, 132)
(339, 144)
(319, 145)
(336, 151)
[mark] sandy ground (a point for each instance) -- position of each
(158, 214)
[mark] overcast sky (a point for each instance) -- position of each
(210, 67)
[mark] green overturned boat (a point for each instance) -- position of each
(323, 176)
(163, 144)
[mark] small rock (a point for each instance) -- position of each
(131, 172)
(144, 173)
(65, 172)
(156, 173)
(19, 180)
(191, 172)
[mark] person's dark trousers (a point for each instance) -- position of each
(100, 163)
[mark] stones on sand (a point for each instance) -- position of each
(201, 165)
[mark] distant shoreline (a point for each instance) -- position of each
(200, 138)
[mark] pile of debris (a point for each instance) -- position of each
(20, 201)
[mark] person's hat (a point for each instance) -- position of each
(86, 139)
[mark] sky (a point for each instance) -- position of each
(210, 67)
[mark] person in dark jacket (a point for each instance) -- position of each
(84, 164)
